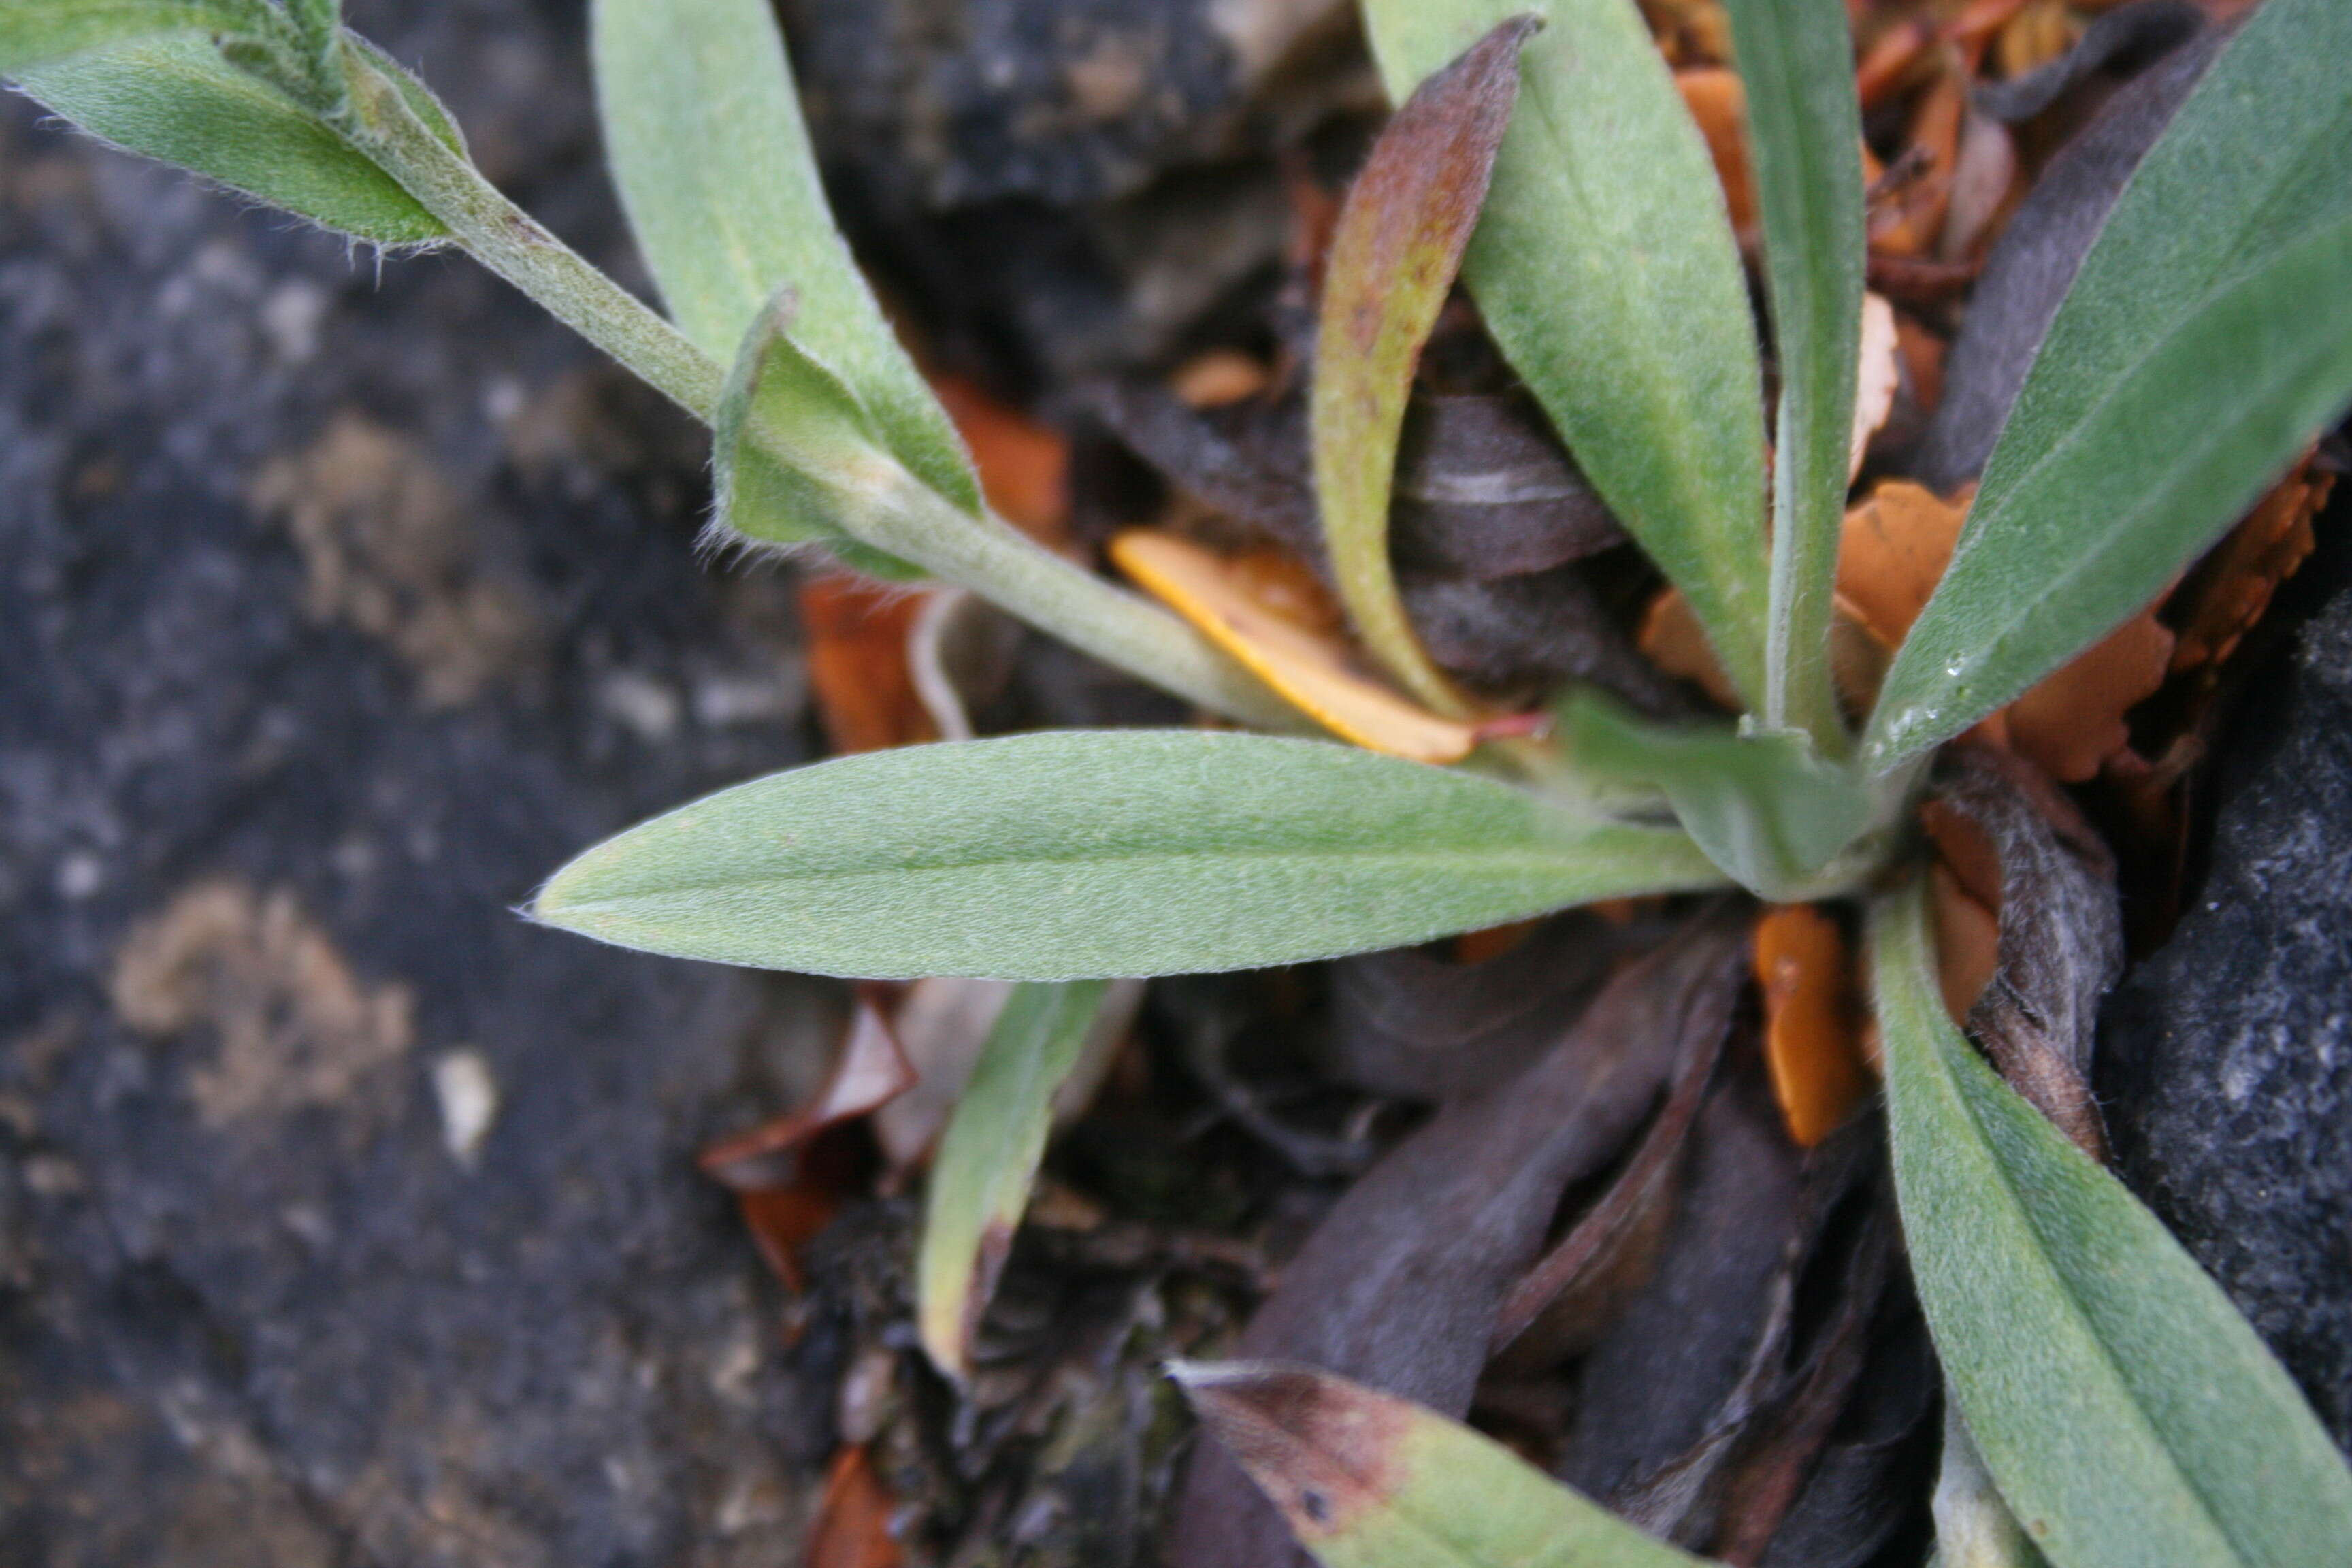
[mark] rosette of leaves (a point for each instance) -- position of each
(2114, 1409)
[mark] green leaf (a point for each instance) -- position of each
(1071, 855)
(704, 132)
(2252, 163)
(1606, 269)
(34, 32)
(2183, 445)
(1767, 808)
(175, 99)
(1804, 137)
(1394, 251)
(794, 452)
(2129, 1416)
(1367, 1481)
(988, 1156)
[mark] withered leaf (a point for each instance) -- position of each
(1485, 490)
(853, 1523)
(1393, 257)
(2028, 272)
(1541, 628)
(1309, 666)
(2119, 43)
(1399, 1286)
(856, 631)
(870, 1072)
(1871, 1477)
(1811, 1020)
(2061, 943)
(1410, 1024)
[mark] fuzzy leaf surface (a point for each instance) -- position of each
(1394, 253)
(793, 448)
(2129, 1416)
(703, 128)
(1767, 808)
(988, 1157)
(1605, 267)
(34, 32)
(1804, 129)
(2201, 342)
(1075, 855)
(1368, 1480)
(176, 100)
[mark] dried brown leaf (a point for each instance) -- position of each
(1813, 1027)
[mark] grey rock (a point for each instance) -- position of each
(2226, 1059)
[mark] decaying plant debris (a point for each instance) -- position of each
(1606, 1184)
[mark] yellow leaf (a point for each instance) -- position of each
(1313, 669)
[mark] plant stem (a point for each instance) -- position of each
(906, 519)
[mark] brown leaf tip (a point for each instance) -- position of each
(1324, 1450)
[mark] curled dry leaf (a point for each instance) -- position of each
(1878, 375)
(1968, 943)
(2227, 594)
(1812, 1022)
(2061, 943)
(1400, 1283)
(2120, 43)
(1674, 640)
(791, 1176)
(853, 1523)
(1312, 667)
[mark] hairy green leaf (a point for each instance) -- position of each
(2132, 370)
(1804, 137)
(2129, 1416)
(36, 32)
(988, 1157)
(704, 132)
(1394, 252)
(1767, 808)
(2183, 444)
(175, 99)
(1365, 1479)
(794, 451)
(1070, 855)
(1605, 266)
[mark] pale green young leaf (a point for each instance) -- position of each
(2128, 1414)
(1365, 1479)
(1072, 855)
(703, 131)
(988, 1158)
(1394, 251)
(1805, 140)
(34, 32)
(1605, 267)
(1767, 808)
(794, 451)
(2253, 161)
(2184, 442)
(176, 100)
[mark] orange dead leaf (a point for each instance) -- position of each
(2073, 721)
(856, 631)
(1025, 468)
(870, 1072)
(1315, 668)
(1889, 62)
(1672, 639)
(853, 1523)
(1968, 943)
(1812, 1040)
(1908, 225)
(2038, 34)
(1218, 377)
(1716, 99)
(2228, 593)
(1923, 363)
(1478, 946)
(1894, 548)
(1965, 850)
